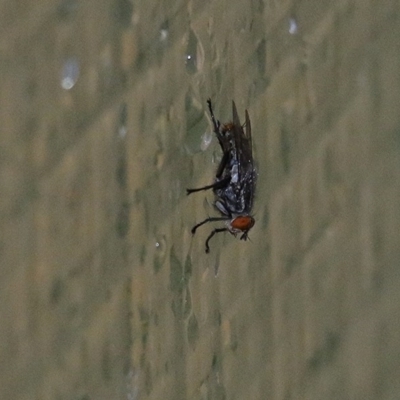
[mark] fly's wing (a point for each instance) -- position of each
(238, 136)
(237, 128)
(247, 174)
(243, 143)
(248, 134)
(236, 120)
(251, 171)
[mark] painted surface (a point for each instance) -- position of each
(105, 294)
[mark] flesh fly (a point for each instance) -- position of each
(235, 179)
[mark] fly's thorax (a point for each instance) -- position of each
(241, 224)
(231, 201)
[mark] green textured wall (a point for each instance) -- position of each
(105, 294)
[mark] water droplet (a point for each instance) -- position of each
(194, 54)
(206, 139)
(196, 124)
(163, 34)
(293, 27)
(70, 73)
(123, 116)
(161, 253)
(132, 384)
(190, 61)
(216, 269)
(122, 131)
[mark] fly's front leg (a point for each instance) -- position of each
(217, 185)
(217, 126)
(217, 230)
(222, 165)
(210, 219)
(215, 122)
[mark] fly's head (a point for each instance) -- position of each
(229, 126)
(241, 225)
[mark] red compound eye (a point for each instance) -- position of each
(243, 223)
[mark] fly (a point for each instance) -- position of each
(235, 179)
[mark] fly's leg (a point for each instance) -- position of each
(217, 185)
(217, 230)
(215, 122)
(222, 165)
(244, 236)
(210, 219)
(217, 128)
